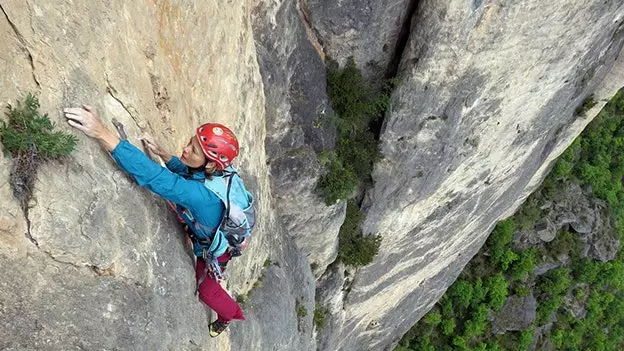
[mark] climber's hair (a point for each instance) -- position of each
(209, 169)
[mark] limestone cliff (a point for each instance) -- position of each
(99, 262)
(486, 100)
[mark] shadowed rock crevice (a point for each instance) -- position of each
(23, 44)
(113, 93)
(402, 40)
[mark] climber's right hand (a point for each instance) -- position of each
(153, 146)
(86, 120)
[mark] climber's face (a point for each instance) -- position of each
(192, 154)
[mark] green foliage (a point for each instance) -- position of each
(587, 105)
(27, 129)
(555, 282)
(479, 292)
(352, 99)
(498, 244)
(300, 309)
(356, 107)
(446, 306)
(461, 292)
(526, 337)
(525, 264)
(30, 139)
(551, 288)
(339, 182)
(359, 151)
(319, 316)
(460, 342)
(529, 213)
(448, 326)
(354, 249)
(432, 318)
(477, 324)
(507, 256)
(497, 291)
(565, 163)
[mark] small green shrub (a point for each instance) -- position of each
(27, 129)
(498, 241)
(526, 338)
(243, 299)
(319, 316)
(30, 139)
(524, 265)
(432, 318)
(356, 108)
(461, 293)
(300, 309)
(448, 326)
(587, 105)
(497, 291)
(339, 182)
(354, 249)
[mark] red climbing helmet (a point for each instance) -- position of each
(218, 143)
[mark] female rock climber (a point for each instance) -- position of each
(211, 149)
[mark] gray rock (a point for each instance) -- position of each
(543, 268)
(98, 262)
(485, 72)
(546, 230)
(298, 124)
(574, 307)
(517, 314)
(330, 295)
(365, 30)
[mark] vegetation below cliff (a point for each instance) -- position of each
(551, 293)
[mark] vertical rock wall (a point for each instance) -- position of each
(369, 31)
(99, 263)
(298, 126)
(487, 100)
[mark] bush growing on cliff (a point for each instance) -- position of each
(339, 182)
(354, 249)
(30, 139)
(356, 108)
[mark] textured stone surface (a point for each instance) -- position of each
(106, 267)
(580, 212)
(518, 313)
(365, 30)
(298, 124)
(486, 101)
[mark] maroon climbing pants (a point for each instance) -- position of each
(213, 295)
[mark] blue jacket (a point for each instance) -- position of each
(173, 185)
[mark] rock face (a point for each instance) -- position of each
(518, 313)
(367, 30)
(298, 125)
(99, 263)
(486, 101)
(579, 212)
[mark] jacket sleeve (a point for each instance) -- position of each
(157, 179)
(176, 166)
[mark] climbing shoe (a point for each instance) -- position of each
(217, 327)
